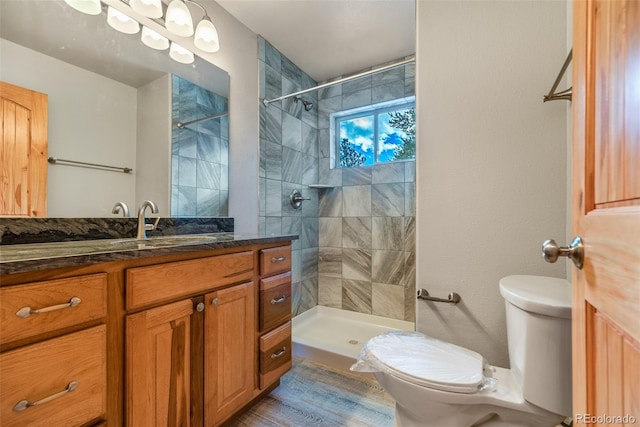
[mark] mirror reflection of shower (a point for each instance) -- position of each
(308, 105)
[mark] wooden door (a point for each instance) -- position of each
(606, 211)
(23, 152)
(157, 366)
(229, 351)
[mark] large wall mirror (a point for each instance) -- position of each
(116, 102)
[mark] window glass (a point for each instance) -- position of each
(379, 134)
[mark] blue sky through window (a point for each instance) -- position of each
(370, 134)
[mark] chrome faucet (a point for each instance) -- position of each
(121, 206)
(143, 227)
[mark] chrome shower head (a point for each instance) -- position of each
(308, 105)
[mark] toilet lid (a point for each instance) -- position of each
(427, 361)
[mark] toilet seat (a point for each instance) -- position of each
(425, 361)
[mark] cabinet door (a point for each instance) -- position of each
(229, 351)
(157, 366)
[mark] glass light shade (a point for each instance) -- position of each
(206, 37)
(178, 19)
(149, 8)
(121, 22)
(153, 39)
(90, 7)
(180, 54)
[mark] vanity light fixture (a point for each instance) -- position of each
(154, 40)
(90, 7)
(148, 8)
(180, 54)
(121, 22)
(177, 20)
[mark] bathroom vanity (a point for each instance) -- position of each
(181, 331)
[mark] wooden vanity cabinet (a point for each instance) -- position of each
(53, 360)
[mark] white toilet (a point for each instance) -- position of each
(435, 383)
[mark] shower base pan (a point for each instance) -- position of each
(334, 337)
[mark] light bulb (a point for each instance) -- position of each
(153, 39)
(149, 8)
(206, 37)
(180, 54)
(121, 22)
(90, 7)
(178, 19)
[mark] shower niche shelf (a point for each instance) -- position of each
(320, 186)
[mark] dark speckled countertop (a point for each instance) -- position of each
(42, 256)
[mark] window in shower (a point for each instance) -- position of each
(375, 134)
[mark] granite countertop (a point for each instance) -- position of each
(42, 256)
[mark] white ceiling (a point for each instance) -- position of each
(330, 38)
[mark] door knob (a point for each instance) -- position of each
(575, 251)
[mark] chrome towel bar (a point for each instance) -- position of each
(55, 161)
(452, 298)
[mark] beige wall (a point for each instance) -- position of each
(491, 159)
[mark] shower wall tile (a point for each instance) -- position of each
(356, 99)
(292, 225)
(309, 237)
(273, 125)
(409, 199)
(388, 173)
(296, 265)
(187, 170)
(207, 175)
(356, 200)
(273, 82)
(291, 71)
(290, 105)
(387, 233)
(377, 207)
(356, 295)
(356, 176)
(387, 301)
(187, 197)
(387, 200)
(274, 198)
(287, 208)
(291, 165)
(387, 92)
(309, 140)
(330, 291)
(310, 207)
(309, 263)
(273, 58)
(356, 264)
(291, 132)
(387, 267)
(330, 262)
(330, 202)
(308, 289)
(330, 232)
(356, 232)
(272, 156)
(309, 170)
(273, 225)
(208, 202)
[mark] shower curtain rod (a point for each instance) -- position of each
(345, 79)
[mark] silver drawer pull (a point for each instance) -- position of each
(279, 300)
(25, 404)
(280, 353)
(279, 259)
(25, 312)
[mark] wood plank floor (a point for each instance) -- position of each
(316, 395)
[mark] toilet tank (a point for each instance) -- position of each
(538, 313)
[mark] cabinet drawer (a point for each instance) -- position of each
(41, 372)
(275, 354)
(275, 260)
(275, 301)
(36, 308)
(157, 283)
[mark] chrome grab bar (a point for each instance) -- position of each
(452, 298)
(25, 312)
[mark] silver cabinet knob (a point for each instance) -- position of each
(200, 307)
(575, 251)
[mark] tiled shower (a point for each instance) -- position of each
(357, 237)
